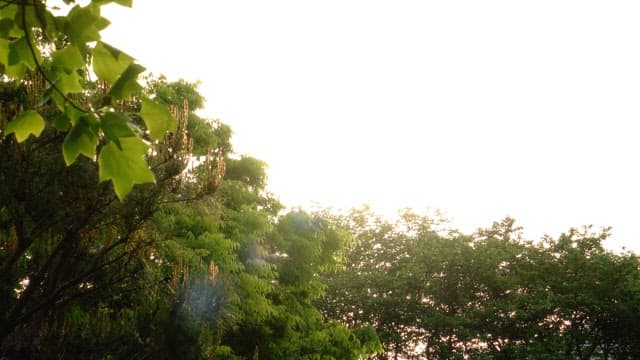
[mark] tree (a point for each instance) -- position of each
(431, 293)
(54, 59)
(300, 247)
(63, 236)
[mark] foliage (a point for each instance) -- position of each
(130, 229)
(58, 59)
(191, 267)
(66, 244)
(439, 294)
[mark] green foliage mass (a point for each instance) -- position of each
(130, 230)
(55, 57)
(191, 265)
(432, 293)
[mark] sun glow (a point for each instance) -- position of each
(481, 109)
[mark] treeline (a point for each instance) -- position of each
(129, 229)
(434, 293)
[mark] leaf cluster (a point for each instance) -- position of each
(58, 58)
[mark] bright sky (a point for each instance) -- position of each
(479, 108)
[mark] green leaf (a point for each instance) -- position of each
(82, 139)
(127, 83)
(102, 23)
(68, 83)
(73, 114)
(16, 71)
(8, 11)
(81, 27)
(68, 59)
(27, 123)
(109, 63)
(115, 126)
(20, 53)
(125, 167)
(158, 118)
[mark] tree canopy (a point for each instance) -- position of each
(129, 228)
(436, 293)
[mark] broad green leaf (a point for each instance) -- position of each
(109, 63)
(8, 11)
(27, 123)
(15, 71)
(20, 53)
(81, 27)
(82, 139)
(68, 59)
(68, 83)
(125, 167)
(127, 83)
(115, 126)
(158, 118)
(102, 23)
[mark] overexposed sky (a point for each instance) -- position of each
(479, 108)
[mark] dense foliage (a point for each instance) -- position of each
(130, 229)
(436, 293)
(196, 263)
(80, 86)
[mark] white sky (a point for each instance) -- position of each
(479, 108)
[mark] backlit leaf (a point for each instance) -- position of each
(109, 63)
(102, 23)
(8, 11)
(27, 123)
(20, 53)
(127, 83)
(115, 126)
(158, 118)
(68, 83)
(82, 139)
(68, 59)
(81, 27)
(72, 113)
(125, 167)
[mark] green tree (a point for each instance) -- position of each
(300, 247)
(63, 236)
(57, 59)
(431, 293)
